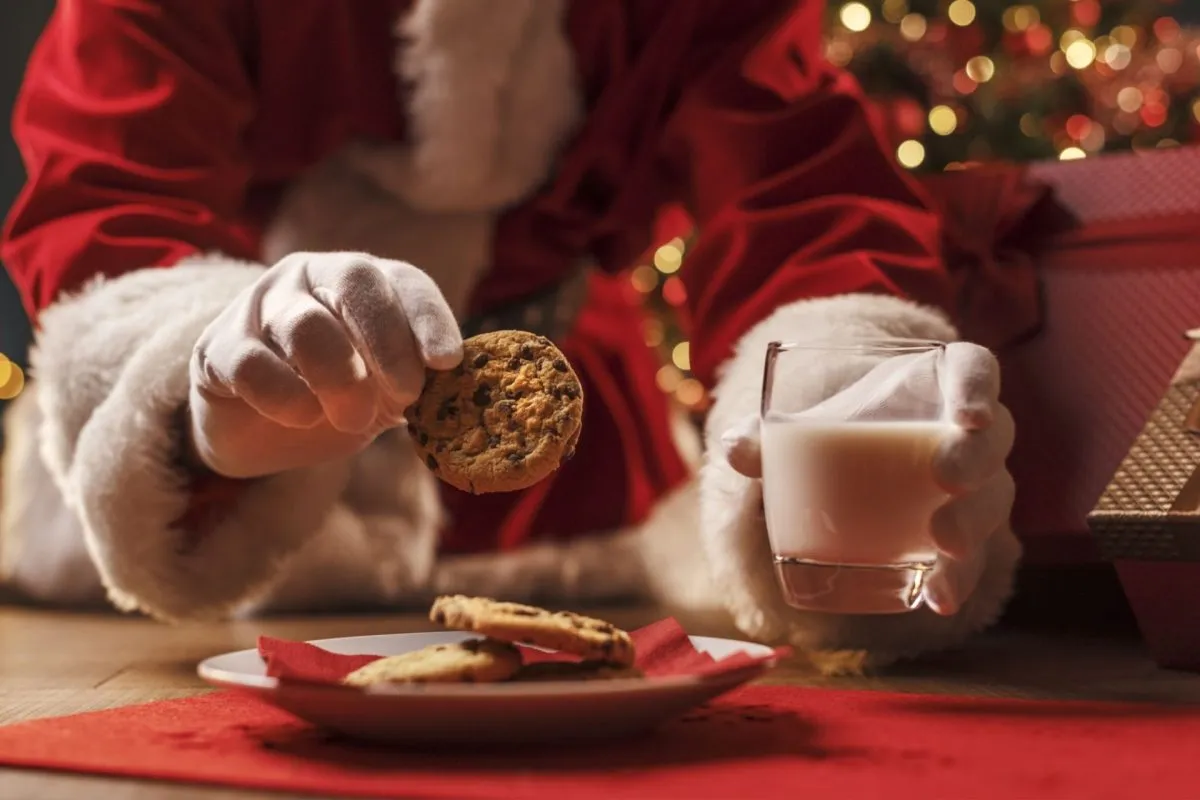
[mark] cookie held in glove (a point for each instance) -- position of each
(504, 419)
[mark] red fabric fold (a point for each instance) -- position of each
(663, 649)
(995, 223)
(764, 742)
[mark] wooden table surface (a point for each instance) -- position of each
(54, 663)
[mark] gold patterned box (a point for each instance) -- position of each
(1147, 521)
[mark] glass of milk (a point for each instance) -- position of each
(848, 483)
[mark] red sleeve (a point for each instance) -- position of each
(794, 193)
(131, 122)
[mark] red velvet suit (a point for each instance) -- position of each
(141, 155)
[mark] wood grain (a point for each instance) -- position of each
(54, 663)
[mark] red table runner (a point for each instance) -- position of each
(759, 742)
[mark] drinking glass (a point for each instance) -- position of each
(849, 488)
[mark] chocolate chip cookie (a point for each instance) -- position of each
(472, 661)
(567, 632)
(504, 419)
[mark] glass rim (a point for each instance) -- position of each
(877, 344)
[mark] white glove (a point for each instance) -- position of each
(964, 380)
(316, 359)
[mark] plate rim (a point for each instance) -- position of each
(265, 683)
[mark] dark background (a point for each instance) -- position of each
(20, 22)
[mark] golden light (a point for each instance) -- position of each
(961, 12)
(1169, 60)
(12, 379)
(644, 279)
(1117, 56)
(1196, 110)
(1163, 144)
(894, 10)
(1020, 18)
(839, 53)
(668, 378)
(980, 69)
(681, 356)
(913, 27)
(942, 120)
(1072, 154)
(1129, 99)
(654, 333)
(1070, 37)
(690, 392)
(910, 153)
(668, 258)
(1029, 125)
(1124, 34)
(855, 17)
(1080, 54)
(1058, 63)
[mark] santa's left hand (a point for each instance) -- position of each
(964, 379)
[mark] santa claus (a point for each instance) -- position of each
(249, 227)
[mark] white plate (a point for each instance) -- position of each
(499, 712)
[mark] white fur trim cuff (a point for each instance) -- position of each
(732, 523)
(112, 376)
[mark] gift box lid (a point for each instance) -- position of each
(1150, 510)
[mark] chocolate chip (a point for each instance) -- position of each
(423, 438)
(431, 462)
(439, 617)
(514, 363)
(447, 409)
(482, 396)
(493, 441)
(506, 406)
(516, 458)
(524, 612)
(571, 392)
(526, 352)
(480, 360)
(560, 365)
(513, 425)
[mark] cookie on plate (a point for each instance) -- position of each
(542, 671)
(472, 661)
(504, 419)
(590, 639)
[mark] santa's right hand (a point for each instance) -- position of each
(322, 354)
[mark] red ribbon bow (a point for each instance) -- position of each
(996, 221)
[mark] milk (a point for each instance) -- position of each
(851, 493)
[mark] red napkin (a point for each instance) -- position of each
(663, 648)
(761, 742)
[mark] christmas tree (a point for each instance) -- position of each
(960, 82)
